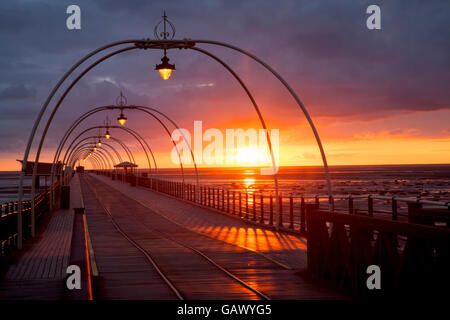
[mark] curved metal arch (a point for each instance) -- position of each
(99, 154)
(89, 144)
(83, 153)
(130, 131)
(125, 148)
(148, 44)
(87, 150)
(108, 145)
(118, 156)
(82, 118)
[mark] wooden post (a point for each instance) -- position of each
(261, 197)
(228, 201)
(370, 205)
(271, 211)
(246, 204)
(280, 222)
(234, 207)
(302, 216)
(254, 207)
(291, 212)
(240, 204)
(223, 200)
(350, 204)
(209, 197)
(394, 209)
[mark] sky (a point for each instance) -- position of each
(375, 96)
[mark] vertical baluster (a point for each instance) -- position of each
(254, 206)
(246, 204)
(261, 219)
(223, 200)
(234, 204)
(281, 210)
(271, 210)
(302, 216)
(370, 205)
(291, 212)
(240, 204)
(228, 201)
(350, 204)
(394, 209)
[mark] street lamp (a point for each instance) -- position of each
(122, 119)
(165, 68)
(120, 102)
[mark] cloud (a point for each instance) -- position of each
(17, 92)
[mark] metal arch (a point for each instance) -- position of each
(77, 122)
(141, 108)
(108, 145)
(145, 109)
(84, 153)
(145, 44)
(89, 144)
(261, 119)
(125, 148)
(99, 154)
(103, 108)
(119, 158)
(36, 124)
(78, 144)
(293, 94)
(130, 131)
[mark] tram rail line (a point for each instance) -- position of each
(157, 267)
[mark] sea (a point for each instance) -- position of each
(430, 182)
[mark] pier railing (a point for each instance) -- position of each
(8, 219)
(413, 259)
(261, 208)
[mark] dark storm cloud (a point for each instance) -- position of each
(322, 48)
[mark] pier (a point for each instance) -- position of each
(136, 237)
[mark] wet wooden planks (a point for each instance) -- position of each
(40, 270)
(193, 275)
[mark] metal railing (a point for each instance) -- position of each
(261, 208)
(8, 219)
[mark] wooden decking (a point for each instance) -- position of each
(147, 245)
(39, 271)
(171, 245)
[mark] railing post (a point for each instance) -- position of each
(261, 219)
(223, 200)
(302, 216)
(234, 204)
(394, 209)
(280, 222)
(350, 204)
(246, 204)
(209, 197)
(291, 212)
(370, 205)
(228, 201)
(271, 210)
(254, 206)
(240, 204)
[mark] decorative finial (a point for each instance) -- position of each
(165, 34)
